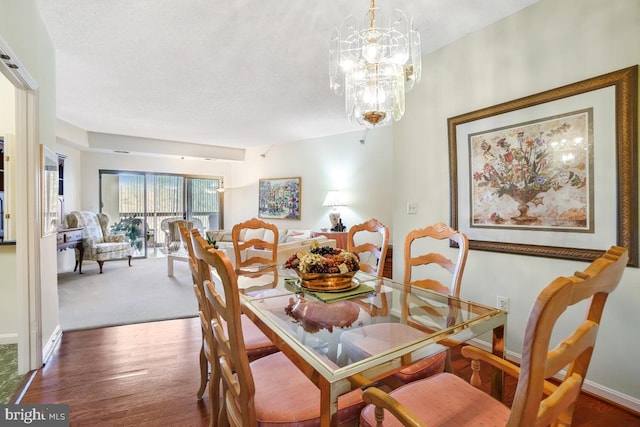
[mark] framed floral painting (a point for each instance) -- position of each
(534, 175)
(552, 174)
(279, 198)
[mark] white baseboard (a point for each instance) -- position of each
(612, 395)
(52, 342)
(594, 388)
(8, 338)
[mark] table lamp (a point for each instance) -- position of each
(334, 200)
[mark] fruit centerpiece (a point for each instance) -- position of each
(324, 268)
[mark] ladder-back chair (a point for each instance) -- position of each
(268, 391)
(256, 343)
(241, 248)
(447, 399)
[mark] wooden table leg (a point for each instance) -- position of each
(169, 266)
(497, 375)
(328, 405)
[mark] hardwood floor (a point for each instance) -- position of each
(136, 375)
(147, 375)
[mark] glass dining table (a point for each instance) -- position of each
(313, 328)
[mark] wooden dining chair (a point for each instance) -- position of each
(257, 344)
(428, 256)
(186, 236)
(261, 256)
(447, 399)
(357, 343)
(268, 391)
(370, 242)
(427, 266)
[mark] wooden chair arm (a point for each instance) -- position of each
(382, 401)
(476, 355)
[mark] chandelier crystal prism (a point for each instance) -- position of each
(373, 65)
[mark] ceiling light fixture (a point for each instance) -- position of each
(374, 66)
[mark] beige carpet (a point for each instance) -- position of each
(124, 295)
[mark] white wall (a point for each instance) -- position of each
(362, 172)
(547, 45)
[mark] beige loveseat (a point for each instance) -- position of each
(289, 241)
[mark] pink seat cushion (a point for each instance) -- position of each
(372, 339)
(444, 400)
(422, 368)
(284, 394)
(255, 341)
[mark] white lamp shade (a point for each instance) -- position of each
(333, 199)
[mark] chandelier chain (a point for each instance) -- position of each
(372, 13)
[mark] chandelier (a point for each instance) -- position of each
(374, 65)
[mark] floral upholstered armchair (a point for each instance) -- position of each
(98, 244)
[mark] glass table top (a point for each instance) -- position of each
(369, 326)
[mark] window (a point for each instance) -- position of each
(153, 197)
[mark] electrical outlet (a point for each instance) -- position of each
(503, 303)
(412, 208)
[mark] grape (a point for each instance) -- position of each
(323, 260)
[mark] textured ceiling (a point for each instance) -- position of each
(234, 73)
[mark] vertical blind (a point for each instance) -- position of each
(155, 197)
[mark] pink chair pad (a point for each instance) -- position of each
(422, 368)
(284, 394)
(255, 341)
(444, 400)
(371, 339)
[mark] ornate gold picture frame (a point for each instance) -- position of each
(574, 209)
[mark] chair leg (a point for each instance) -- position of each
(447, 362)
(100, 263)
(129, 260)
(204, 372)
